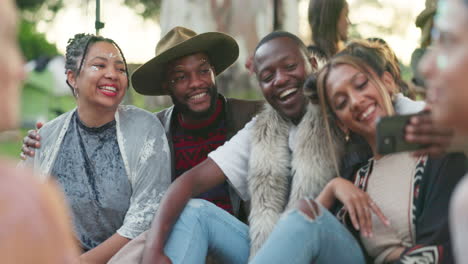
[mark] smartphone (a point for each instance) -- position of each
(391, 135)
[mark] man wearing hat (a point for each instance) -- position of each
(200, 120)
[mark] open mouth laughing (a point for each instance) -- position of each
(198, 97)
(288, 93)
(108, 90)
(367, 114)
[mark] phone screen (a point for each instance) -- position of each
(391, 135)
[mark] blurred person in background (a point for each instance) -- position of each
(34, 222)
(425, 22)
(329, 23)
(445, 69)
(395, 68)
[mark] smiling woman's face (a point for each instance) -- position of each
(355, 100)
(103, 80)
(11, 67)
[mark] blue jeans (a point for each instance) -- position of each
(299, 239)
(204, 227)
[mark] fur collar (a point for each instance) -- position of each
(278, 178)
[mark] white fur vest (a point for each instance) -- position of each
(279, 178)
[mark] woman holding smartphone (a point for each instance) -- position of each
(394, 205)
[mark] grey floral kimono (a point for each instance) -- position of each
(142, 155)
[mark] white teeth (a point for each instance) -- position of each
(287, 92)
(367, 112)
(108, 88)
(197, 96)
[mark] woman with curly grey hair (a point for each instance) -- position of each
(111, 160)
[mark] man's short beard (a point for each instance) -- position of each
(183, 108)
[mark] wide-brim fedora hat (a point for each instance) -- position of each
(221, 49)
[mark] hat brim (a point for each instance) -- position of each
(221, 49)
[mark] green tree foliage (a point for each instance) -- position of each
(29, 4)
(34, 44)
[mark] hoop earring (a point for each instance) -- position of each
(75, 91)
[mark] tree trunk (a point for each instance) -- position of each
(246, 20)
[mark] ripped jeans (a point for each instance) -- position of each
(204, 227)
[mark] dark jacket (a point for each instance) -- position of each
(237, 113)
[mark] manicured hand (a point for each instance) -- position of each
(359, 206)
(422, 130)
(31, 142)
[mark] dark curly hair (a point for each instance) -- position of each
(77, 49)
(282, 34)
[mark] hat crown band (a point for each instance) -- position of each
(173, 38)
